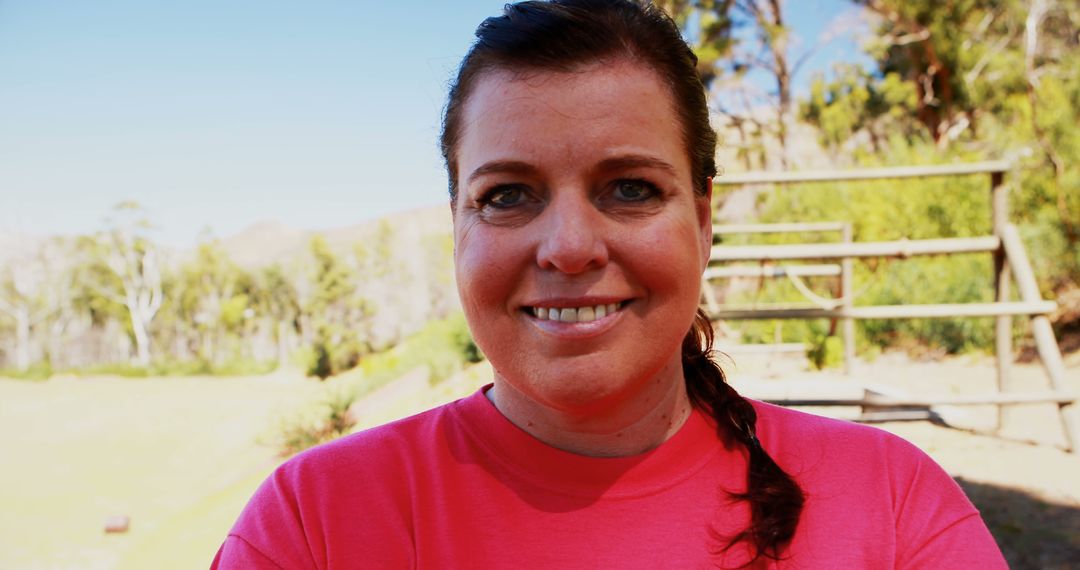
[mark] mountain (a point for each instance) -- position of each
(265, 243)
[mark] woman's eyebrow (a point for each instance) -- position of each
(502, 167)
(634, 161)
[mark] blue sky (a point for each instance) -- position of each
(219, 114)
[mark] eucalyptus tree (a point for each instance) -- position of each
(277, 299)
(21, 281)
(126, 250)
(336, 311)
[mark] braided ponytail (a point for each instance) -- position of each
(776, 500)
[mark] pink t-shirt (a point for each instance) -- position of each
(462, 487)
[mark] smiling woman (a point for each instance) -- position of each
(566, 228)
(580, 159)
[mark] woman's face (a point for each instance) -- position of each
(579, 241)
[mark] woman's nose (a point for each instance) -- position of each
(573, 238)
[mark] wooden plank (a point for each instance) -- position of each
(1045, 342)
(793, 347)
(862, 174)
(896, 416)
(999, 216)
(954, 310)
(1046, 397)
(847, 298)
(780, 228)
(731, 272)
(899, 248)
(872, 401)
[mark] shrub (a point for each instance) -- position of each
(332, 353)
(826, 352)
(929, 208)
(444, 346)
(324, 421)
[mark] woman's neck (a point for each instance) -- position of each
(641, 421)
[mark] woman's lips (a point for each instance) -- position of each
(570, 323)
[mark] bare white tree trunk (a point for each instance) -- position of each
(137, 265)
(23, 283)
(283, 334)
(22, 339)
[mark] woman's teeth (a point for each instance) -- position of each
(575, 314)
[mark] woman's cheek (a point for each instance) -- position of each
(484, 276)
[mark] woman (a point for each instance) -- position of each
(580, 160)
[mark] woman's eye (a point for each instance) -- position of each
(504, 196)
(633, 190)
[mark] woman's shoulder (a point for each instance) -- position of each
(813, 443)
(804, 428)
(317, 496)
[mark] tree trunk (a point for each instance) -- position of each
(142, 338)
(22, 339)
(282, 343)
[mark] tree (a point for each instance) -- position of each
(135, 261)
(976, 78)
(279, 301)
(336, 312)
(20, 283)
(857, 101)
(726, 59)
(37, 292)
(215, 295)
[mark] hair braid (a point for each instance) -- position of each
(776, 500)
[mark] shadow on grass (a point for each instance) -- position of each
(1031, 532)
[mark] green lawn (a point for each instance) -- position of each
(180, 456)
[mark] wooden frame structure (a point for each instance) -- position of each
(1010, 261)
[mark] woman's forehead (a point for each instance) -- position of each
(514, 115)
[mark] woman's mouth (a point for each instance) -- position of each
(582, 314)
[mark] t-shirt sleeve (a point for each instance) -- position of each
(236, 552)
(268, 533)
(938, 527)
(345, 504)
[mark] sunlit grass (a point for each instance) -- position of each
(78, 450)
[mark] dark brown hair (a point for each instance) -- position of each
(563, 35)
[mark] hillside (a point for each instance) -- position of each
(268, 242)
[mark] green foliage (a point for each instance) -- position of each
(890, 210)
(319, 361)
(444, 346)
(953, 279)
(327, 420)
(857, 101)
(339, 315)
(178, 368)
(826, 351)
(329, 356)
(122, 369)
(971, 80)
(37, 372)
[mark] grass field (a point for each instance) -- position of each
(163, 451)
(180, 456)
